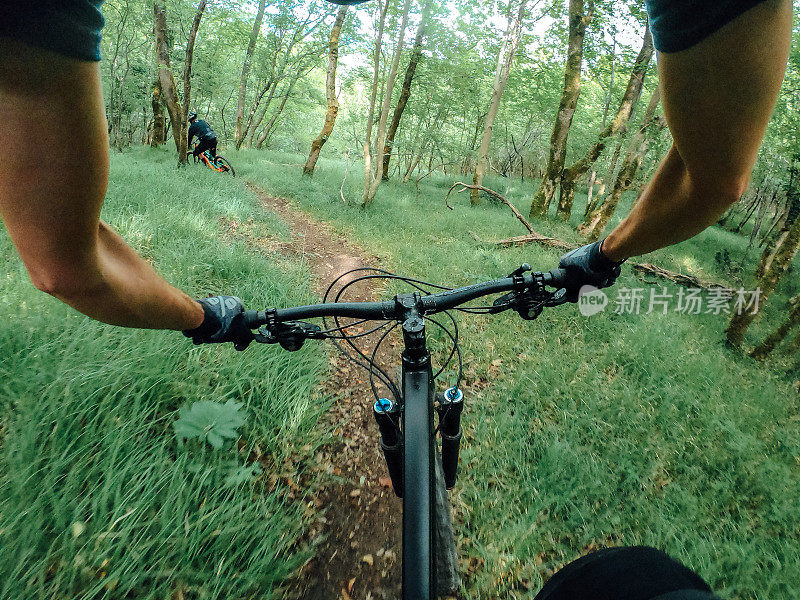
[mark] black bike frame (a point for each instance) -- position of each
(419, 506)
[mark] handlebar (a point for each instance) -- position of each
(521, 282)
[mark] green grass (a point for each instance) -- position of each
(97, 497)
(614, 429)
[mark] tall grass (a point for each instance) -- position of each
(614, 429)
(97, 497)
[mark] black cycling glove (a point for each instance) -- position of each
(587, 265)
(224, 322)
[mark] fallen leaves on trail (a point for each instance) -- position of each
(367, 558)
(385, 482)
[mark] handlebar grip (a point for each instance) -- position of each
(558, 278)
(254, 318)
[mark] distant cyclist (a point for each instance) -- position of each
(206, 138)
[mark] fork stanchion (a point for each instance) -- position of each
(451, 405)
(387, 415)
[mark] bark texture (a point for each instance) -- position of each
(330, 94)
(598, 219)
(504, 60)
(167, 80)
(248, 58)
(776, 337)
(579, 20)
(629, 101)
(159, 133)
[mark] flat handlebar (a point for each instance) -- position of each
(392, 310)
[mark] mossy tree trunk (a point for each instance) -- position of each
(775, 262)
(629, 100)
(776, 337)
(330, 94)
(597, 220)
(166, 79)
(578, 22)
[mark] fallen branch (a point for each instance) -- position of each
(642, 270)
(690, 281)
(493, 193)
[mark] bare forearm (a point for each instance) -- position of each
(672, 209)
(120, 288)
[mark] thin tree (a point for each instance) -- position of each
(238, 134)
(405, 91)
(330, 94)
(376, 58)
(769, 344)
(579, 20)
(373, 180)
(159, 134)
(503, 70)
(598, 219)
(629, 100)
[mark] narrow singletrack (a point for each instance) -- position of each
(360, 557)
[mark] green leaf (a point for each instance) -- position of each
(210, 421)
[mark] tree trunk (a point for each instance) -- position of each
(405, 92)
(159, 134)
(374, 179)
(504, 60)
(238, 135)
(167, 80)
(775, 262)
(276, 114)
(578, 21)
(376, 57)
(629, 100)
(597, 221)
(330, 94)
(776, 337)
(187, 73)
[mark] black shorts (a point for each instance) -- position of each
(69, 27)
(628, 573)
(680, 24)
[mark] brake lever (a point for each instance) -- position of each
(290, 335)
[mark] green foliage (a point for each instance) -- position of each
(210, 421)
(615, 429)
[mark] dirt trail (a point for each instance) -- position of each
(360, 559)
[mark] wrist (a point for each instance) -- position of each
(197, 315)
(610, 250)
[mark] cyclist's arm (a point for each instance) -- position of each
(192, 133)
(718, 96)
(53, 177)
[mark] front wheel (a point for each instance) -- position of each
(225, 165)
